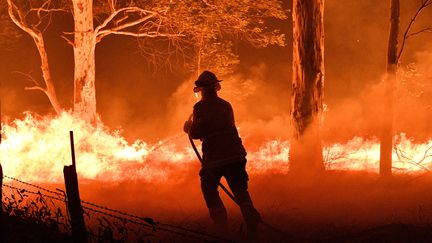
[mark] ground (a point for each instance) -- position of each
(334, 206)
(19, 230)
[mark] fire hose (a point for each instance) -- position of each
(230, 194)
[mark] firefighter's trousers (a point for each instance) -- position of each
(237, 178)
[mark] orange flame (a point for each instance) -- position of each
(36, 148)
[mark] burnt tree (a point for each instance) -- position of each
(386, 139)
(394, 53)
(307, 85)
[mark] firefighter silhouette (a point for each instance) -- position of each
(223, 153)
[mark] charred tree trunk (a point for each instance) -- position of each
(307, 85)
(84, 57)
(386, 139)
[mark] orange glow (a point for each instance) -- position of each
(36, 148)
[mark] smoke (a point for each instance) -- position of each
(413, 97)
(153, 108)
(261, 109)
(337, 203)
(362, 115)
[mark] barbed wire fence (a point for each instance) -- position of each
(48, 206)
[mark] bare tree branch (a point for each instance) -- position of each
(17, 17)
(28, 77)
(117, 22)
(36, 88)
(424, 30)
(67, 40)
(123, 10)
(47, 10)
(139, 35)
(112, 4)
(101, 34)
(149, 28)
(424, 4)
(406, 157)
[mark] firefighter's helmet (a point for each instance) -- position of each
(206, 79)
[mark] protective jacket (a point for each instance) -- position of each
(213, 123)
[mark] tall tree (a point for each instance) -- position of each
(34, 21)
(386, 139)
(394, 53)
(307, 85)
(94, 20)
(84, 46)
(139, 19)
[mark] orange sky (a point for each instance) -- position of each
(136, 96)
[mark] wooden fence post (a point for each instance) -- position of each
(1, 182)
(79, 232)
(1, 202)
(1, 192)
(1, 178)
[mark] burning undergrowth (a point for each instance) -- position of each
(36, 149)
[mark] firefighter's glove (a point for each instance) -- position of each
(187, 126)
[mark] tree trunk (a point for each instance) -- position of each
(199, 54)
(49, 90)
(307, 86)
(386, 139)
(84, 57)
